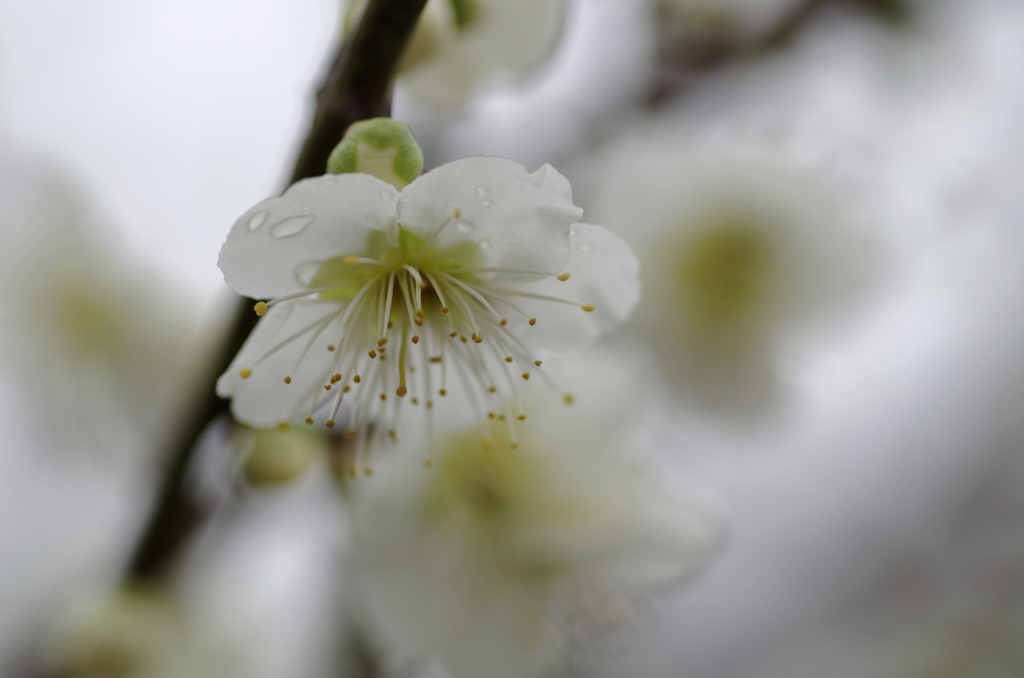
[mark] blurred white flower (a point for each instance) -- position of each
(460, 46)
(96, 345)
(132, 633)
(739, 250)
(497, 558)
(384, 294)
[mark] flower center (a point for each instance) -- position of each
(726, 276)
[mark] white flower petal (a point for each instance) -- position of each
(520, 220)
(604, 273)
(263, 398)
(314, 220)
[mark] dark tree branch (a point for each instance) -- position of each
(357, 87)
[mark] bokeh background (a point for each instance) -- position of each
(863, 448)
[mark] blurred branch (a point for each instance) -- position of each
(358, 86)
(685, 60)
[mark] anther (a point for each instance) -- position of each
(415, 338)
(352, 471)
(423, 284)
(350, 260)
(508, 359)
(491, 415)
(331, 347)
(309, 420)
(430, 404)
(327, 387)
(401, 391)
(533, 321)
(260, 308)
(522, 417)
(346, 389)
(569, 399)
(283, 425)
(526, 375)
(477, 338)
(464, 340)
(383, 396)
(351, 433)
(492, 390)
(419, 312)
(589, 308)
(443, 392)
(458, 213)
(336, 378)
(537, 363)
(382, 341)
(368, 471)
(372, 353)
(453, 335)
(504, 321)
(287, 380)
(419, 323)
(245, 373)
(390, 325)
(330, 423)
(357, 379)
(444, 309)
(415, 401)
(565, 276)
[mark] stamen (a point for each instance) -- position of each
(455, 215)
(245, 373)
(299, 295)
(260, 308)
(542, 297)
(402, 390)
(440, 297)
(355, 261)
(565, 276)
(387, 309)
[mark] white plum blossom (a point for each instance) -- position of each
(473, 275)
(459, 46)
(741, 249)
(499, 561)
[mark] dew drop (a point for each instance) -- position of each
(305, 272)
(486, 203)
(481, 191)
(290, 226)
(464, 227)
(257, 220)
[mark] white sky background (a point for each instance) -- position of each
(177, 116)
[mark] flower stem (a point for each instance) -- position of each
(358, 86)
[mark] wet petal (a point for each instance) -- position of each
(314, 220)
(520, 220)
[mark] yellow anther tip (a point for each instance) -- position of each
(382, 341)
(565, 276)
(327, 387)
(443, 392)
(357, 379)
(350, 260)
(330, 423)
(283, 425)
(287, 380)
(508, 359)
(537, 363)
(368, 471)
(444, 309)
(458, 213)
(533, 321)
(245, 373)
(522, 417)
(569, 399)
(415, 339)
(372, 353)
(589, 308)
(260, 308)
(309, 420)
(504, 321)
(330, 348)
(401, 391)
(526, 375)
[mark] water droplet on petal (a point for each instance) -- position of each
(486, 203)
(291, 226)
(305, 271)
(585, 248)
(481, 191)
(464, 227)
(257, 220)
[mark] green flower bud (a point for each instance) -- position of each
(382, 147)
(279, 457)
